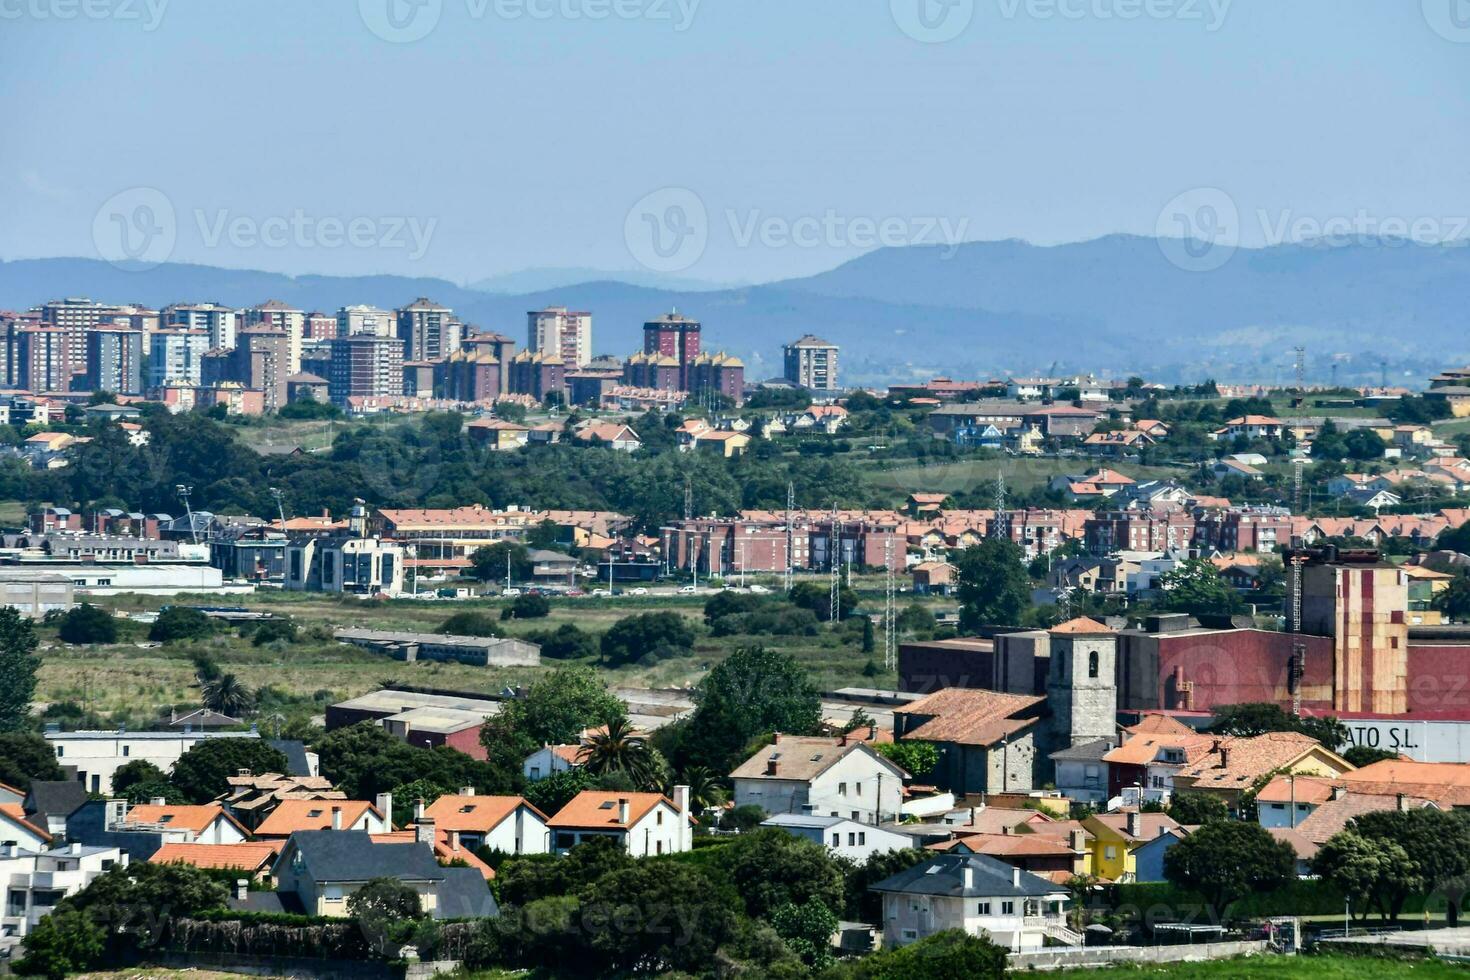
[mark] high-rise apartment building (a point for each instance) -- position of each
(46, 359)
(672, 335)
(275, 315)
(557, 331)
(258, 362)
(320, 326)
(811, 362)
(176, 355)
(115, 360)
(221, 322)
(429, 331)
(365, 365)
(353, 321)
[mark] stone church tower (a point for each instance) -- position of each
(1082, 685)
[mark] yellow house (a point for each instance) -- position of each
(1115, 838)
(1234, 765)
(727, 444)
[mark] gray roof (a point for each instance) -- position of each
(351, 855)
(1086, 752)
(944, 875)
(276, 902)
(55, 797)
(464, 894)
(295, 753)
(801, 820)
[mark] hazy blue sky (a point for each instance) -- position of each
(515, 135)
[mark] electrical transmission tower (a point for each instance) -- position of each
(1000, 525)
(834, 565)
(790, 531)
(1298, 669)
(890, 608)
(688, 499)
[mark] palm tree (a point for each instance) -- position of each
(619, 747)
(227, 695)
(706, 790)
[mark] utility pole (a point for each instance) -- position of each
(834, 565)
(890, 608)
(1296, 672)
(185, 492)
(280, 507)
(790, 531)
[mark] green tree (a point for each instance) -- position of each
(227, 695)
(753, 692)
(1197, 587)
(1228, 860)
(1436, 842)
(658, 634)
(566, 642)
(625, 914)
(26, 756)
(818, 599)
(380, 907)
(180, 623)
(63, 943)
(488, 563)
(470, 624)
(529, 607)
(1329, 443)
(770, 868)
(993, 584)
(1363, 444)
(201, 773)
(1195, 809)
(808, 929)
(282, 628)
(18, 663)
(948, 955)
(138, 901)
(1362, 755)
(130, 774)
(1454, 601)
(1372, 872)
(706, 789)
(869, 636)
(87, 623)
(918, 759)
(557, 790)
(1455, 539)
(557, 708)
(1258, 718)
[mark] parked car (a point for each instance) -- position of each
(510, 593)
(638, 591)
(760, 590)
(598, 592)
(688, 590)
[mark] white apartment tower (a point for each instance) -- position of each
(175, 356)
(275, 315)
(220, 322)
(557, 331)
(357, 321)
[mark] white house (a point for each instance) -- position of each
(507, 824)
(643, 823)
(550, 760)
(95, 756)
(977, 894)
(842, 836)
(208, 823)
(833, 777)
(36, 881)
(17, 831)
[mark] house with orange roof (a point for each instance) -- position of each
(16, 830)
(611, 434)
(550, 760)
(837, 776)
(1332, 816)
(1149, 762)
(206, 823)
(291, 816)
(252, 858)
(643, 824)
(1251, 427)
(1233, 765)
(1153, 427)
(504, 823)
(986, 739)
(1447, 784)
(1039, 855)
(1116, 838)
(498, 434)
(1289, 799)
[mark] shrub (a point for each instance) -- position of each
(633, 637)
(87, 624)
(470, 624)
(180, 623)
(272, 630)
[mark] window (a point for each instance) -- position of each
(862, 838)
(332, 893)
(15, 904)
(1092, 664)
(983, 908)
(836, 840)
(1007, 908)
(851, 839)
(658, 847)
(660, 818)
(858, 788)
(1278, 806)
(1110, 852)
(841, 789)
(127, 750)
(535, 772)
(911, 934)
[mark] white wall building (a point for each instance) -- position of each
(646, 824)
(36, 881)
(559, 332)
(95, 756)
(832, 777)
(507, 824)
(176, 357)
(842, 836)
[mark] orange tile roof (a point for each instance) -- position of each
(17, 813)
(1160, 725)
(1312, 790)
(1011, 845)
(1248, 759)
(476, 814)
(195, 818)
(1150, 824)
(998, 819)
(1333, 816)
(245, 856)
(294, 815)
(969, 717)
(1081, 626)
(593, 809)
(445, 850)
(1140, 750)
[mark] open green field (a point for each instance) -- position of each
(135, 681)
(1280, 968)
(953, 476)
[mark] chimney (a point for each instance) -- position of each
(623, 811)
(336, 818)
(1338, 792)
(872, 733)
(843, 739)
(75, 847)
(773, 768)
(385, 807)
(418, 810)
(242, 889)
(1077, 839)
(454, 840)
(1163, 830)
(1403, 803)
(1005, 831)
(1135, 823)
(1015, 877)
(158, 801)
(969, 875)
(423, 831)
(1224, 758)
(466, 791)
(681, 801)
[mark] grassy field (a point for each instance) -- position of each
(134, 681)
(1282, 968)
(1020, 473)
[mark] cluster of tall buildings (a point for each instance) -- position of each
(263, 357)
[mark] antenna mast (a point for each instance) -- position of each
(1000, 525)
(834, 565)
(790, 530)
(890, 608)
(1295, 557)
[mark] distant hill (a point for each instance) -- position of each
(538, 280)
(1115, 304)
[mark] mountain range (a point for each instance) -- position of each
(1115, 305)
